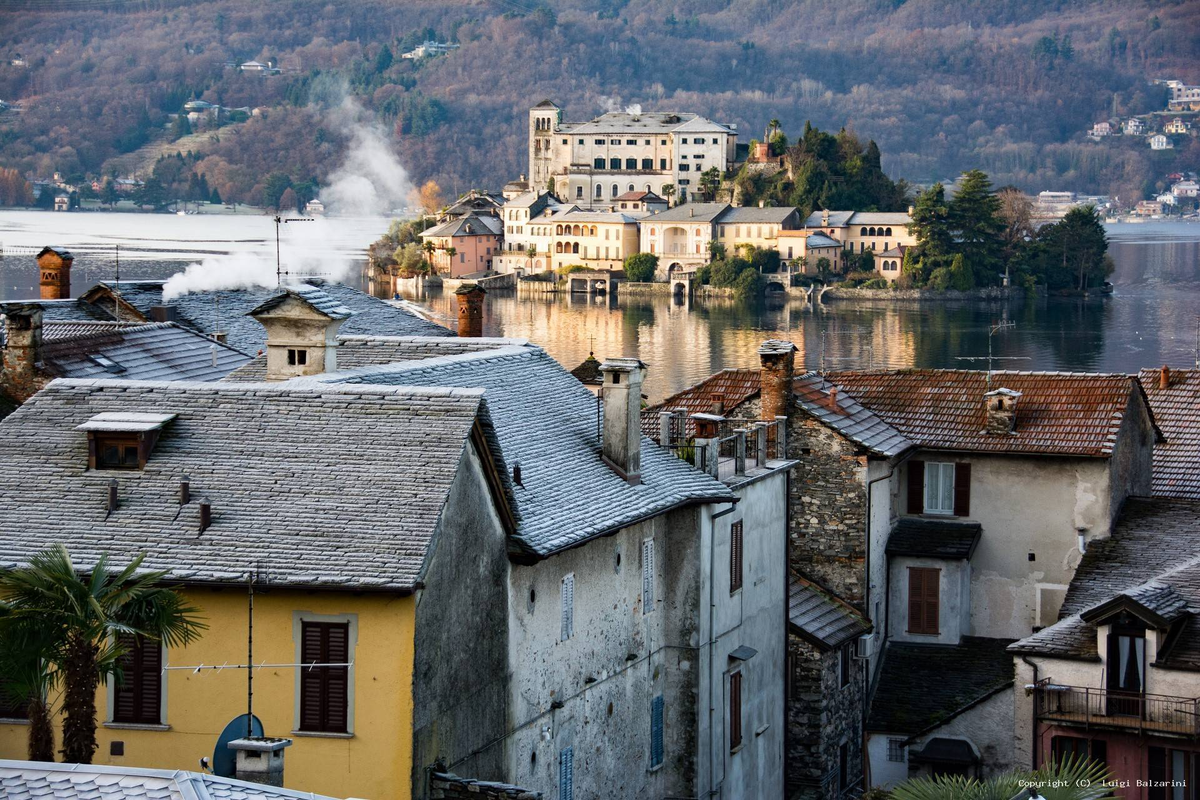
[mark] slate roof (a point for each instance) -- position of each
(821, 617)
(641, 197)
(648, 122)
(924, 686)
(364, 351)
(38, 780)
(841, 219)
(771, 214)
(921, 536)
(313, 485)
(597, 216)
(530, 199)
(731, 386)
(1155, 545)
(316, 298)
(821, 240)
(689, 212)
(1059, 413)
(197, 310)
(812, 393)
(546, 420)
(468, 225)
(153, 351)
(1177, 412)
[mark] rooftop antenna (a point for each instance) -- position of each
(117, 287)
(279, 273)
(996, 328)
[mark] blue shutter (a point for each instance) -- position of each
(647, 576)
(568, 606)
(566, 774)
(656, 731)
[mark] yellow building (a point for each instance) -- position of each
(350, 510)
(596, 239)
(805, 247)
(860, 231)
(758, 227)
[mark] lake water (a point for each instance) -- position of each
(1151, 318)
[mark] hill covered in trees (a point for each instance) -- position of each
(940, 85)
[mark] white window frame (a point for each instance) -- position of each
(936, 474)
(647, 576)
(567, 607)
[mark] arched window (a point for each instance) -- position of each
(558, 247)
(699, 233)
(863, 232)
(558, 230)
(697, 248)
(614, 163)
(575, 231)
(631, 187)
(593, 230)
(575, 247)
(647, 187)
(599, 163)
(652, 231)
(616, 190)
(599, 191)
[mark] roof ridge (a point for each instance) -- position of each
(293, 387)
(433, 362)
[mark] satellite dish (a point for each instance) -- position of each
(224, 759)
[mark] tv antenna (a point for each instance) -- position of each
(279, 273)
(997, 327)
(117, 286)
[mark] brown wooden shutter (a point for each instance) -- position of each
(735, 557)
(916, 487)
(923, 599)
(137, 697)
(324, 691)
(916, 597)
(337, 682)
(310, 679)
(932, 599)
(962, 489)
(735, 710)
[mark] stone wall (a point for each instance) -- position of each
(822, 715)
(444, 786)
(827, 529)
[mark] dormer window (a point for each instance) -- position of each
(297, 357)
(118, 440)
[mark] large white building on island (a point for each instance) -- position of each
(592, 163)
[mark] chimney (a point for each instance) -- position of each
(166, 313)
(470, 309)
(778, 359)
(185, 490)
(1001, 409)
(259, 759)
(1164, 377)
(21, 377)
(762, 203)
(622, 439)
(911, 209)
(833, 398)
(825, 217)
(205, 515)
(302, 324)
(55, 268)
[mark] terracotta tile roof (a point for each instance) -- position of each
(1059, 413)
(1177, 412)
(731, 386)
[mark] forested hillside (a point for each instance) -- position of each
(940, 85)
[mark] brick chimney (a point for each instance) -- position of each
(470, 309)
(778, 359)
(622, 440)
(21, 377)
(1001, 410)
(302, 324)
(54, 267)
(259, 759)
(1164, 377)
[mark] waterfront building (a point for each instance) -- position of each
(860, 231)
(465, 245)
(802, 248)
(528, 233)
(598, 240)
(593, 163)
(682, 237)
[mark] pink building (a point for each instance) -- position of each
(465, 245)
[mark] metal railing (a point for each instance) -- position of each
(1082, 705)
(739, 446)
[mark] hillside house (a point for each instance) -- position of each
(1176, 127)
(1186, 188)
(1160, 142)
(1134, 127)
(1101, 129)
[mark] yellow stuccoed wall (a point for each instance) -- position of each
(375, 763)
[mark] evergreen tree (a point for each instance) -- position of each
(976, 226)
(1074, 251)
(931, 222)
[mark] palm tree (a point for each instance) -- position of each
(668, 190)
(531, 251)
(84, 620)
(1069, 779)
(450, 253)
(428, 246)
(28, 681)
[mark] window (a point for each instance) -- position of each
(735, 557)
(647, 576)
(845, 654)
(566, 774)
(631, 163)
(923, 598)
(1126, 670)
(117, 451)
(10, 707)
(614, 163)
(735, 710)
(137, 697)
(580, 141)
(698, 140)
(631, 141)
(684, 140)
(598, 163)
(297, 357)
(896, 750)
(614, 141)
(324, 690)
(1078, 748)
(647, 163)
(662, 163)
(600, 141)
(662, 142)
(656, 732)
(565, 141)
(599, 191)
(616, 190)
(939, 488)
(685, 167)
(568, 606)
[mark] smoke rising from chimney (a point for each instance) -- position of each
(371, 180)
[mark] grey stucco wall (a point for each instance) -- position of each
(460, 662)
(954, 608)
(988, 727)
(1130, 467)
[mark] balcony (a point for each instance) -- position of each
(738, 448)
(1099, 708)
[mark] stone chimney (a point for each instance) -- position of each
(1164, 377)
(622, 393)
(1001, 409)
(778, 359)
(470, 309)
(259, 759)
(21, 377)
(825, 218)
(302, 324)
(54, 267)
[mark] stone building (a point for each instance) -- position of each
(593, 163)
(1174, 396)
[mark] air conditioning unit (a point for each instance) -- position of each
(864, 646)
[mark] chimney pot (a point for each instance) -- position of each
(516, 474)
(185, 490)
(54, 267)
(1164, 377)
(470, 309)
(621, 444)
(113, 500)
(778, 359)
(259, 759)
(1000, 407)
(833, 403)
(164, 313)
(205, 515)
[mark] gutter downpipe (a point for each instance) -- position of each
(712, 640)
(1033, 739)
(866, 761)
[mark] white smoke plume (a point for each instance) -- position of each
(635, 109)
(371, 180)
(610, 104)
(303, 251)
